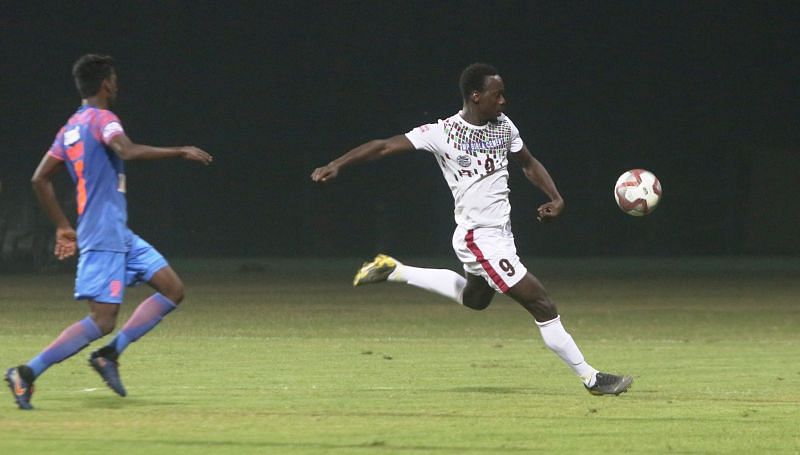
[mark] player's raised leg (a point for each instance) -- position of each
(386, 268)
(150, 312)
(108, 370)
(143, 263)
(146, 316)
(530, 293)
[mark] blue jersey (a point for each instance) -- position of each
(99, 176)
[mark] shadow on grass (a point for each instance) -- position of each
(212, 445)
(494, 390)
(114, 402)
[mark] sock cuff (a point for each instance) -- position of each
(397, 274)
(91, 328)
(167, 304)
(556, 320)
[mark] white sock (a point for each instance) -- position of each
(561, 342)
(441, 281)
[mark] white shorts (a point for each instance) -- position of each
(490, 252)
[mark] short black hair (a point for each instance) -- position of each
(90, 71)
(474, 78)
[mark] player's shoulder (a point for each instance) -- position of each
(441, 124)
(453, 118)
(503, 118)
(105, 124)
(106, 115)
(92, 115)
(505, 121)
(429, 127)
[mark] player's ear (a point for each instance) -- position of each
(475, 96)
(106, 85)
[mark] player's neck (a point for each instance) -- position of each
(95, 101)
(473, 118)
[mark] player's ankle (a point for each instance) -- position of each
(397, 274)
(26, 373)
(589, 380)
(108, 352)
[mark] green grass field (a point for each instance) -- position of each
(291, 359)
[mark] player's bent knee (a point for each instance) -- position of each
(104, 316)
(476, 304)
(105, 325)
(479, 307)
(176, 293)
(168, 284)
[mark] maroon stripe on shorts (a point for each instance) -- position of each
(484, 262)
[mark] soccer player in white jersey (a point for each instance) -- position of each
(472, 148)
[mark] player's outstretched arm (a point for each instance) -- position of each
(538, 175)
(128, 150)
(42, 180)
(368, 151)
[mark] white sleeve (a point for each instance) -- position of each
(424, 137)
(110, 130)
(516, 141)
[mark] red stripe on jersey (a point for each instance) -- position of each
(484, 262)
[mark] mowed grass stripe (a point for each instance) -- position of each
(271, 363)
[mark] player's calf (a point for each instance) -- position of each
(477, 294)
(530, 293)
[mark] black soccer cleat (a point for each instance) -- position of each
(109, 370)
(20, 388)
(609, 384)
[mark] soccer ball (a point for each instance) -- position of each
(637, 192)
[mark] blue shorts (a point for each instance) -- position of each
(103, 275)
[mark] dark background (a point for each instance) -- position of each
(704, 94)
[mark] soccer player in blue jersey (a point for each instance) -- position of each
(93, 147)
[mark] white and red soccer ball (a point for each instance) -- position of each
(637, 192)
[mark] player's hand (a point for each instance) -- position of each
(66, 243)
(196, 154)
(550, 210)
(325, 173)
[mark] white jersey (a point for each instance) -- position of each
(474, 161)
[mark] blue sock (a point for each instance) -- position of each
(70, 342)
(144, 318)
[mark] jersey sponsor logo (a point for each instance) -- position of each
(486, 146)
(464, 161)
(72, 136)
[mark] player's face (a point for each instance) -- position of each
(492, 100)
